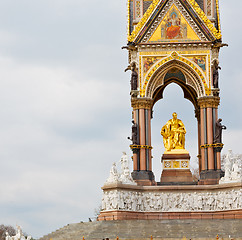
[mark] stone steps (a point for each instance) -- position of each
(143, 229)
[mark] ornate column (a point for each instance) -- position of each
(142, 172)
(198, 116)
(210, 159)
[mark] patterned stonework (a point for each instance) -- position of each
(177, 164)
(138, 9)
(209, 8)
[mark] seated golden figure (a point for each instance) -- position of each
(174, 134)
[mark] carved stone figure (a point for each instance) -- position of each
(134, 78)
(174, 134)
(216, 67)
(124, 163)
(19, 235)
(134, 133)
(134, 202)
(113, 200)
(218, 131)
(113, 176)
(227, 167)
(232, 168)
(134, 137)
(125, 176)
(8, 236)
(236, 173)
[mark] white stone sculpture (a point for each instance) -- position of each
(19, 235)
(132, 200)
(8, 236)
(125, 176)
(232, 168)
(236, 172)
(113, 175)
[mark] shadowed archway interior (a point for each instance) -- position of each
(175, 75)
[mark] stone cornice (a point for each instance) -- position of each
(223, 186)
(209, 102)
(177, 46)
(141, 103)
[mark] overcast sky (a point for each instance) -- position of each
(65, 106)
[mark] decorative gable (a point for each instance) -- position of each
(185, 12)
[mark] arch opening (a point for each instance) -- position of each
(174, 75)
(173, 101)
(179, 72)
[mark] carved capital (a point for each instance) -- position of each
(141, 103)
(209, 102)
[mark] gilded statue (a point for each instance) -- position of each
(174, 134)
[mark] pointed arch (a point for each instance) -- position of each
(194, 85)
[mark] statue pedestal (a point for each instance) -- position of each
(176, 170)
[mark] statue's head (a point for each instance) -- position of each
(220, 120)
(174, 115)
(133, 66)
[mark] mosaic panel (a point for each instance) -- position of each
(200, 61)
(174, 27)
(148, 62)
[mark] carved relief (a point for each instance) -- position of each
(131, 200)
